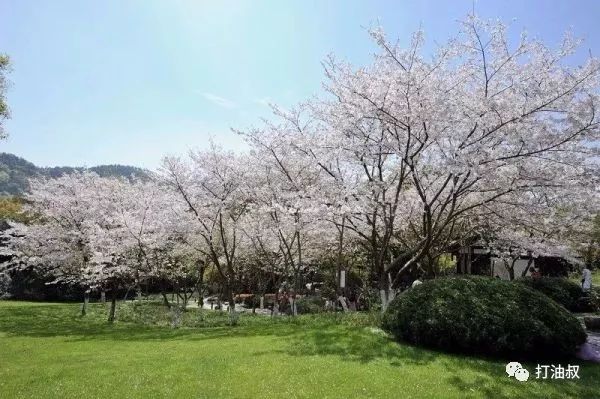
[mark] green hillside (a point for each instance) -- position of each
(15, 172)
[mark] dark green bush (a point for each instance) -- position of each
(310, 304)
(589, 302)
(253, 302)
(566, 292)
(483, 316)
(371, 300)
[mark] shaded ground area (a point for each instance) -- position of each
(49, 351)
(591, 349)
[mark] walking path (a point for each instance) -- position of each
(591, 349)
(238, 308)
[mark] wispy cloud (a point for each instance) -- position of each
(218, 100)
(266, 101)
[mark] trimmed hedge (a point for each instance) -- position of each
(566, 292)
(484, 316)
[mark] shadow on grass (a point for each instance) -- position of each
(470, 375)
(360, 345)
(63, 320)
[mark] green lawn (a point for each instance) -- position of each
(48, 351)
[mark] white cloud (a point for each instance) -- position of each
(218, 100)
(263, 101)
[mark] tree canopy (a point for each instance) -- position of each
(400, 162)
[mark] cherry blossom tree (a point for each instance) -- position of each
(61, 240)
(401, 161)
(82, 235)
(442, 141)
(283, 191)
(210, 194)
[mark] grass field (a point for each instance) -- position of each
(48, 351)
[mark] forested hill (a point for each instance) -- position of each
(15, 172)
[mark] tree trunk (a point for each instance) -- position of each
(165, 300)
(275, 311)
(200, 283)
(386, 296)
(138, 291)
(338, 262)
(511, 270)
(386, 292)
(342, 301)
(86, 299)
(103, 296)
(293, 307)
(529, 262)
(126, 294)
(232, 314)
(113, 306)
(383, 297)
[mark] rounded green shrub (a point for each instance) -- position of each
(483, 316)
(310, 304)
(566, 292)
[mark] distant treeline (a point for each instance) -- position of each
(15, 172)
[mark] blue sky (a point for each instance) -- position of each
(128, 81)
